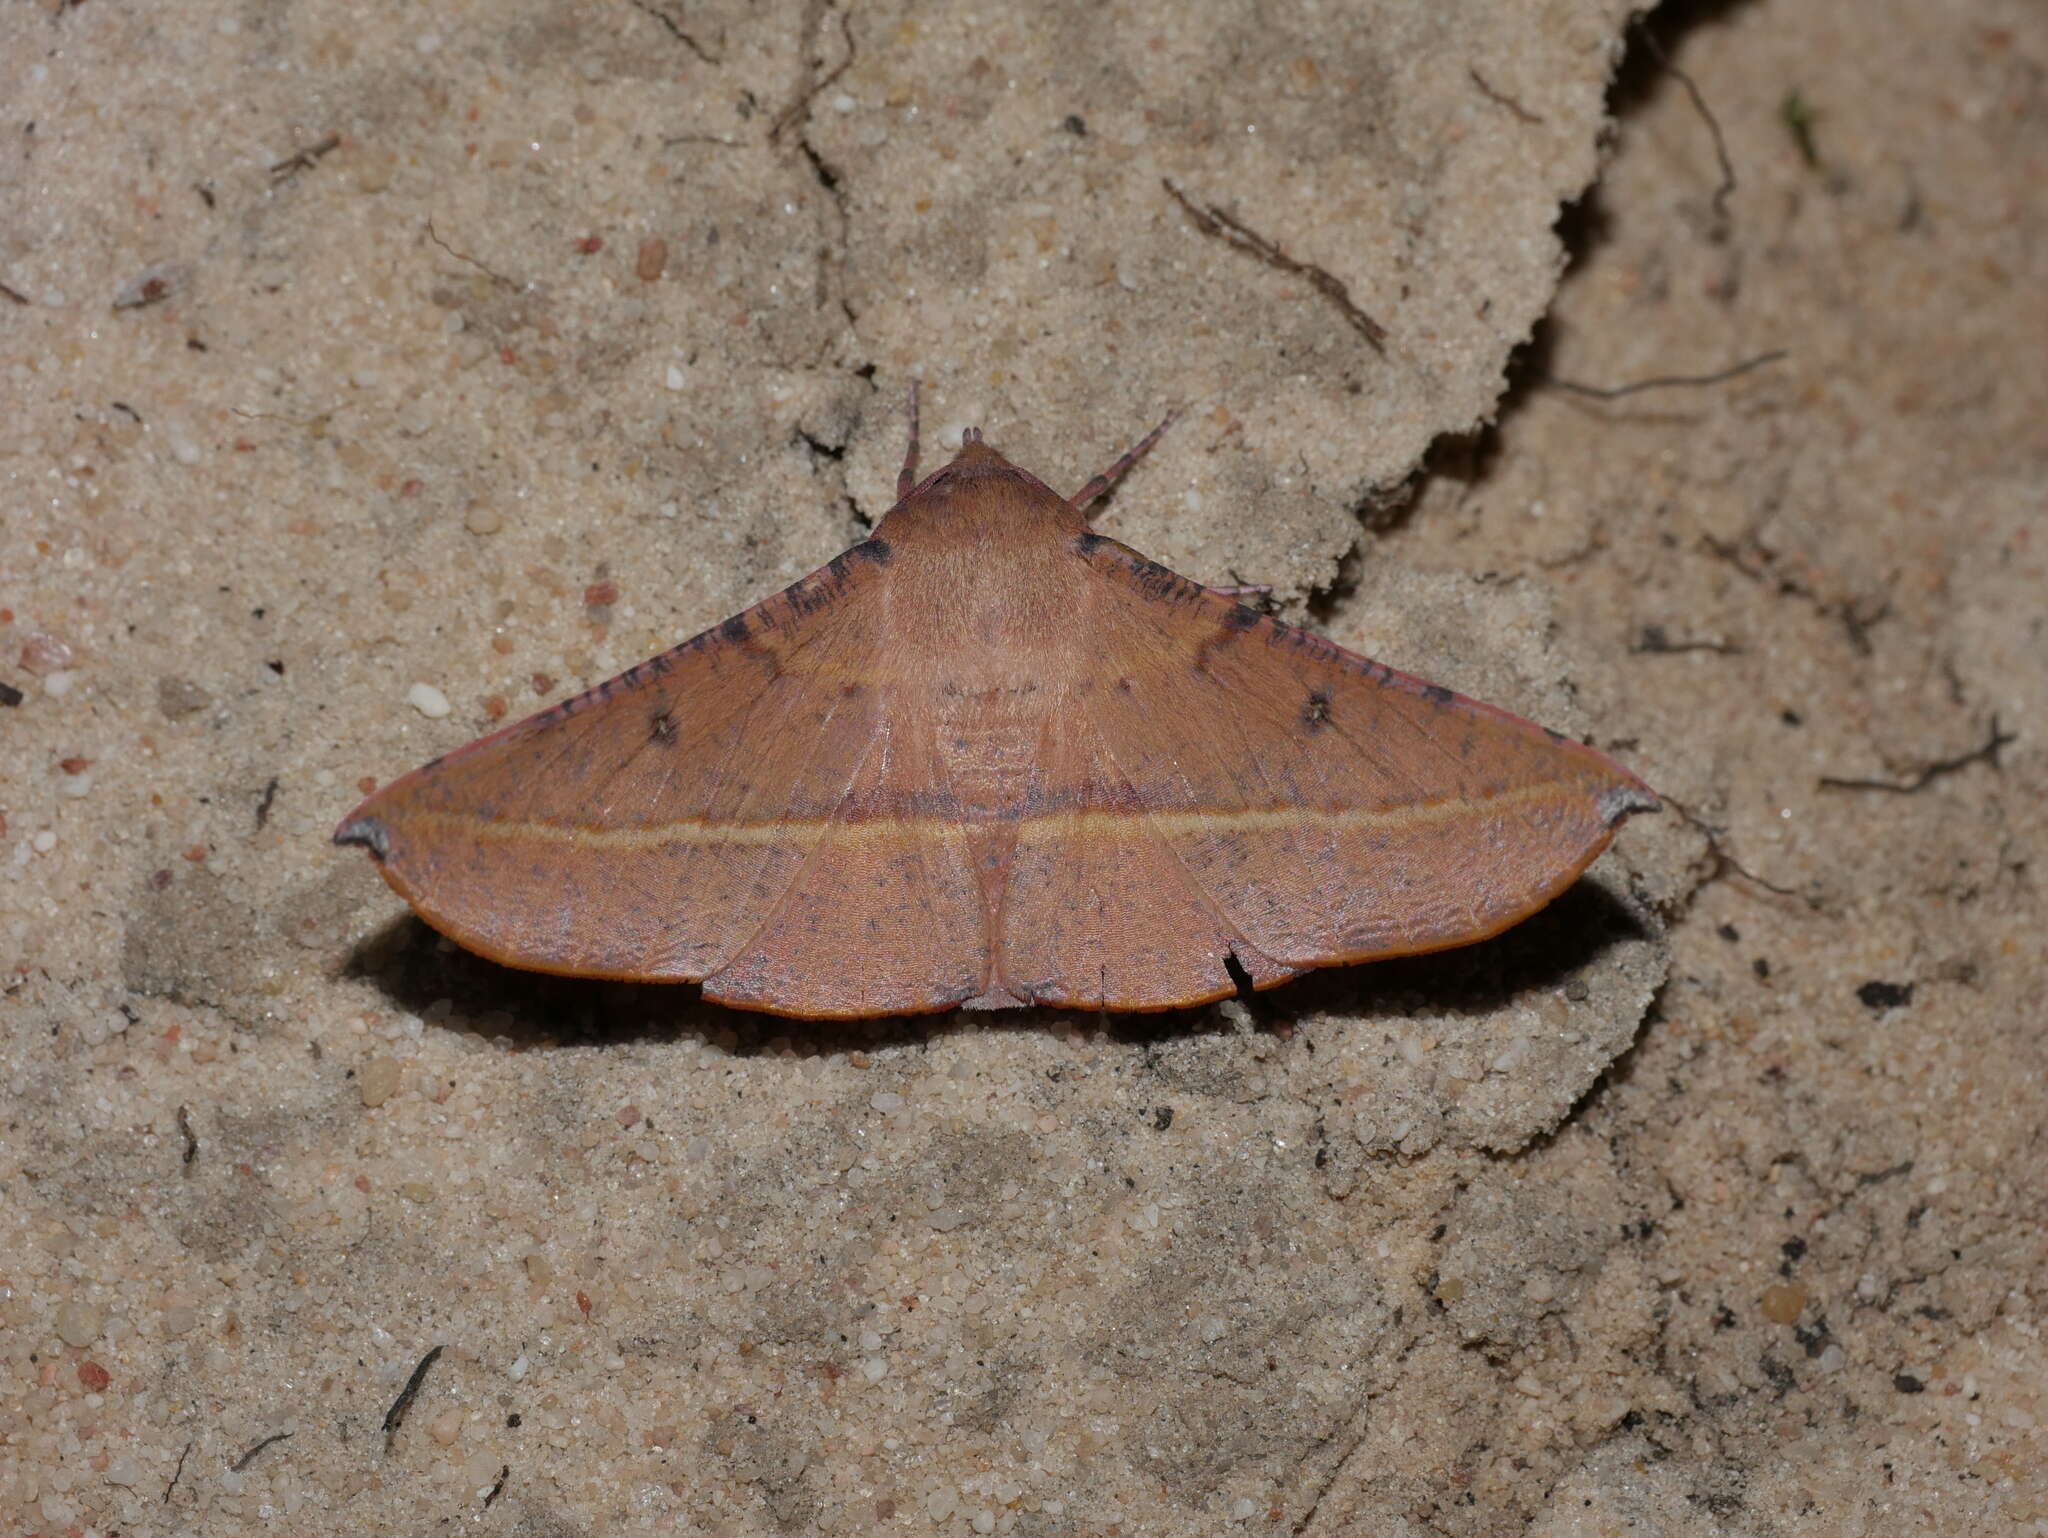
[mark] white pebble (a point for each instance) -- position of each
(58, 684)
(518, 1370)
(885, 1101)
(44, 841)
(843, 103)
(946, 1219)
(874, 1369)
(428, 701)
(984, 1521)
(1241, 1509)
(674, 378)
(75, 785)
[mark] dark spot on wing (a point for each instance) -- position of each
(661, 727)
(876, 550)
(1437, 694)
(1315, 711)
(734, 629)
(1239, 617)
(1089, 542)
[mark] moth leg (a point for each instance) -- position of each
(1239, 589)
(906, 478)
(1095, 488)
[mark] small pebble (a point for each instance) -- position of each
(946, 1219)
(428, 701)
(378, 1081)
(43, 842)
(178, 698)
(883, 1100)
(1782, 1302)
(78, 1324)
(481, 519)
(874, 1369)
(45, 654)
(446, 1427)
(651, 260)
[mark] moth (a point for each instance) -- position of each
(986, 758)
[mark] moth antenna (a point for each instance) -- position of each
(1081, 499)
(906, 478)
(969, 435)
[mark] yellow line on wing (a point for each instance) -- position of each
(1050, 828)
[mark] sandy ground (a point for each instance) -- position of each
(374, 376)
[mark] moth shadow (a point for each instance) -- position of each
(1548, 951)
(423, 974)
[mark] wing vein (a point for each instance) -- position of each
(1200, 892)
(797, 877)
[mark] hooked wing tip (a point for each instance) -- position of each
(1619, 802)
(370, 832)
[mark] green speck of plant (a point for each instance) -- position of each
(1798, 116)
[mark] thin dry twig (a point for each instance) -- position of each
(305, 159)
(1985, 752)
(249, 1457)
(395, 1416)
(177, 1473)
(1666, 381)
(1501, 98)
(1215, 222)
(1726, 189)
(1726, 863)
(463, 256)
